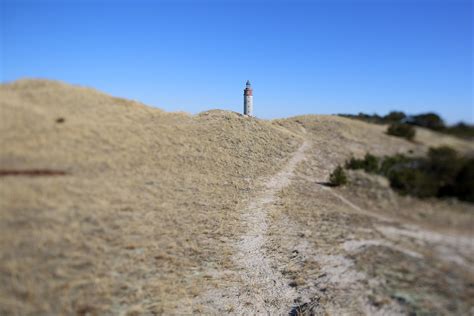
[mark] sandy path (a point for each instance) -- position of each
(264, 289)
(258, 286)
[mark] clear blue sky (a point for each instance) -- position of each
(301, 56)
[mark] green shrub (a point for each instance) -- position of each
(442, 153)
(428, 120)
(393, 163)
(354, 163)
(370, 163)
(461, 129)
(338, 177)
(442, 173)
(394, 117)
(464, 184)
(413, 182)
(401, 130)
(444, 163)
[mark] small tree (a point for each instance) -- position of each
(429, 120)
(338, 177)
(394, 117)
(401, 130)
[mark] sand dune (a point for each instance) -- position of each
(145, 208)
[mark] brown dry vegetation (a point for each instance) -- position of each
(363, 249)
(140, 216)
(151, 204)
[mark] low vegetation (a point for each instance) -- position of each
(443, 173)
(401, 130)
(369, 163)
(133, 219)
(429, 120)
(144, 208)
(338, 177)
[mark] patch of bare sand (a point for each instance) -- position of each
(454, 248)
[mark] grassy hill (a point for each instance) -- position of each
(144, 202)
(147, 196)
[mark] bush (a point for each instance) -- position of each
(394, 117)
(392, 163)
(442, 173)
(354, 163)
(442, 154)
(464, 184)
(413, 182)
(370, 163)
(428, 120)
(401, 130)
(338, 177)
(461, 129)
(444, 163)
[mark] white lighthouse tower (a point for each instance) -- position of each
(248, 99)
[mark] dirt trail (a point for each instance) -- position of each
(259, 286)
(265, 289)
(323, 266)
(199, 224)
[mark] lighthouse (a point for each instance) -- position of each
(248, 99)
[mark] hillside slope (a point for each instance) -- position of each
(108, 206)
(361, 249)
(141, 211)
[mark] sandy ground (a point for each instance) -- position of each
(166, 213)
(347, 256)
(326, 254)
(140, 216)
(260, 288)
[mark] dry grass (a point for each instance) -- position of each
(355, 249)
(143, 216)
(140, 216)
